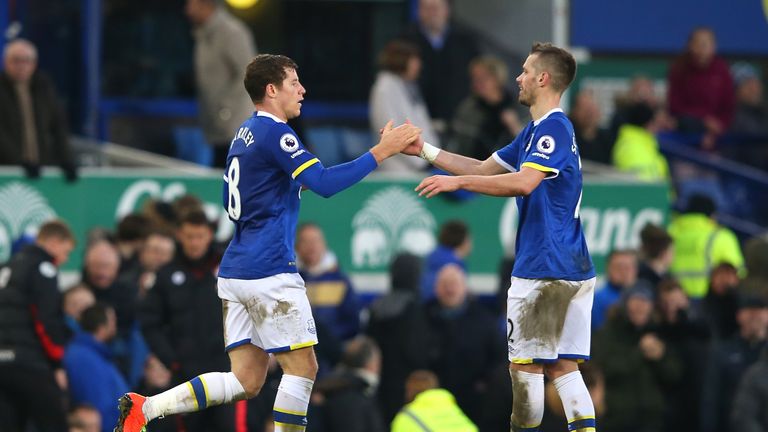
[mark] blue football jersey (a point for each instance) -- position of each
(550, 242)
(262, 197)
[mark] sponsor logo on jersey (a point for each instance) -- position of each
(541, 155)
(289, 143)
(297, 154)
(546, 144)
(22, 210)
(391, 221)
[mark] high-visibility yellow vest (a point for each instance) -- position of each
(432, 411)
(636, 150)
(700, 245)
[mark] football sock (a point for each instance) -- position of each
(527, 401)
(579, 409)
(290, 410)
(206, 390)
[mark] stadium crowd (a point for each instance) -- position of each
(680, 330)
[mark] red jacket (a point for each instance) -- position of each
(702, 92)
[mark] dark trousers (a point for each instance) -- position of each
(30, 396)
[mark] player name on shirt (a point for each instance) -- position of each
(244, 134)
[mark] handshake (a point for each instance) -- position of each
(405, 139)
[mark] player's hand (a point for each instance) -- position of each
(414, 148)
(432, 186)
(394, 140)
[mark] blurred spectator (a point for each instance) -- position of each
(100, 271)
(156, 251)
(751, 116)
(595, 142)
(749, 413)
(161, 214)
(396, 96)
(223, 47)
(554, 417)
(465, 340)
(730, 360)
(101, 264)
(641, 90)
(156, 379)
(756, 261)
(75, 300)
(398, 326)
(721, 302)
(488, 118)
(690, 337)
(430, 408)
(701, 94)
(656, 253)
(621, 274)
(93, 378)
(33, 333)
(330, 292)
(348, 395)
(130, 234)
(181, 317)
(636, 149)
(187, 203)
(454, 245)
(701, 244)
(446, 50)
(639, 367)
(31, 118)
(84, 418)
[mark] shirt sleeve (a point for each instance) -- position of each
(287, 150)
(551, 148)
(508, 155)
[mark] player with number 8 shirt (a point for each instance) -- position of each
(263, 298)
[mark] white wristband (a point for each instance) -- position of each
(429, 152)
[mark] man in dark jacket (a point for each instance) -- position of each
(349, 393)
(749, 413)
(33, 129)
(181, 317)
(33, 333)
(466, 341)
(639, 367)
(446, 50)
(398, 325)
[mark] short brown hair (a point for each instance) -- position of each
(395, 55)
(654, 241)
(57, 229)
(263, 70)
(556, 61)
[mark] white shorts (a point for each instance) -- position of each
(549, 320)
(272, 313)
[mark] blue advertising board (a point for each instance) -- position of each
(662, 26)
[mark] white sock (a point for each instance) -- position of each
(579, 409)
(527, 400)
(206, 390)
(291, 402)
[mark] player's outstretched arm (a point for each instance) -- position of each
(508, 185)
(329, 181)
(451, 162)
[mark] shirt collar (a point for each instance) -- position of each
(554, 110)
(270, 115)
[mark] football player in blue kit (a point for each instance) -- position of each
(550, 298)
(264, 300)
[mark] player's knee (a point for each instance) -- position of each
(252, 387)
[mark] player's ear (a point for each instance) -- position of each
(271, 90)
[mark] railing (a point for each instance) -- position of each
(738, 189)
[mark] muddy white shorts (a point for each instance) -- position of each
(272, 313)
(549, 319)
